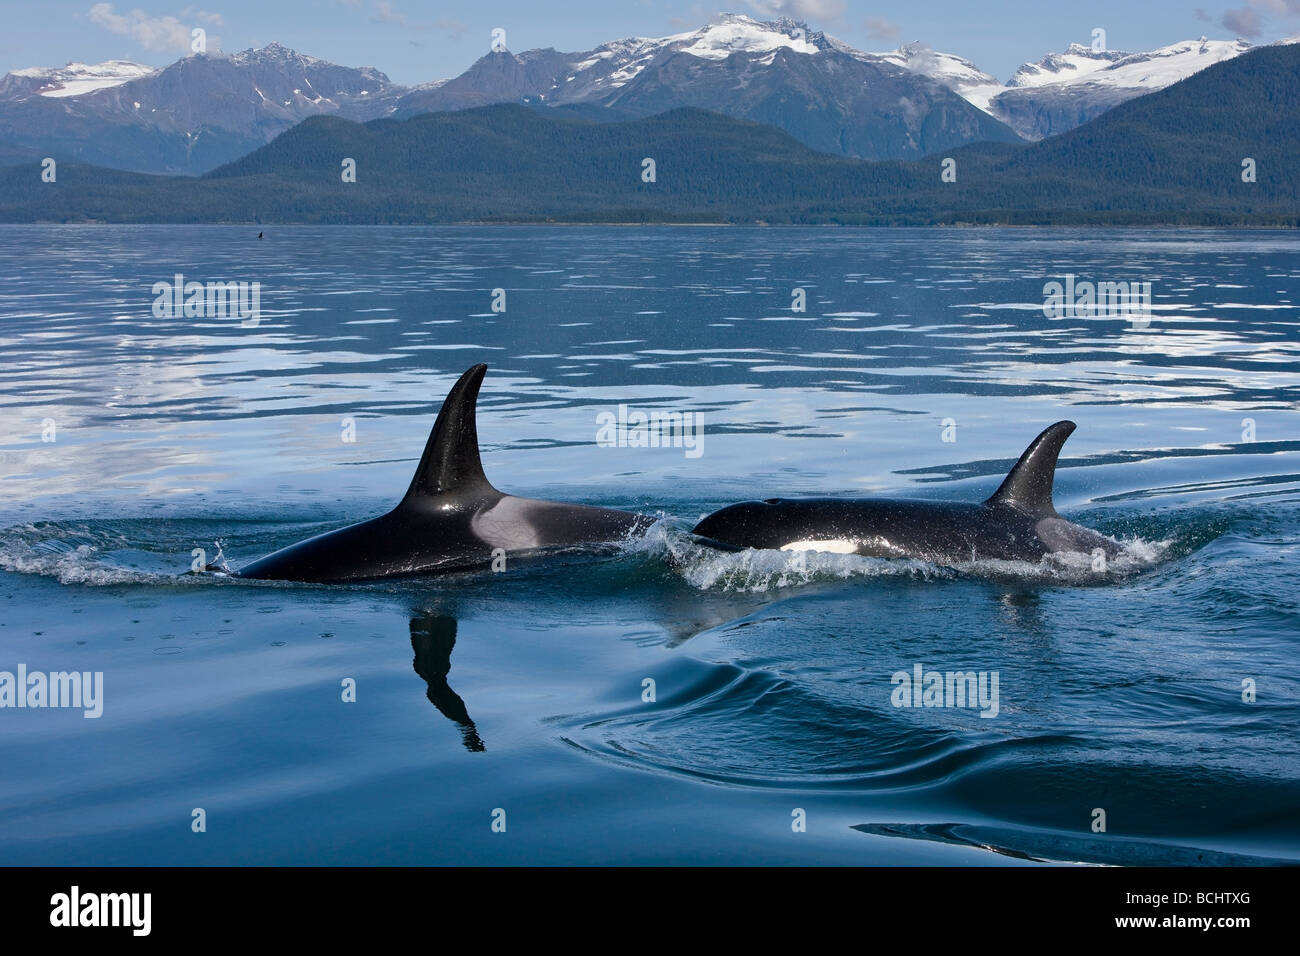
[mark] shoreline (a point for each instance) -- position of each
(529, 223)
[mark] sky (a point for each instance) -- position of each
(415, 42)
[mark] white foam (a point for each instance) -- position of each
(707, 568)
(77, 566)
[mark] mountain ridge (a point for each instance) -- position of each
(208, 109)
(1174, 157)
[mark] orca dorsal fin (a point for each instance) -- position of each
(1028, 486)
(450, 463)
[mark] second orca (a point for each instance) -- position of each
(1017, 523)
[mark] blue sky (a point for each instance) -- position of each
(415, 42)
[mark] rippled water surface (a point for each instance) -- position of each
(1162, 695)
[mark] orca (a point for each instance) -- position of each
(1017, 523)
(451, 518)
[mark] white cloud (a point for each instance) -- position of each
(799, 9)
(153, 33)
(452, 27)
(1289, 7)
(385, 12)
(1249, 21)
(1244, 21)
(878, 28)
(102, 14)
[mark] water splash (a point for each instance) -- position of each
(756, 571)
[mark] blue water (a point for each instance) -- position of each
(522, 692)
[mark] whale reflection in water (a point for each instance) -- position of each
(432, 638)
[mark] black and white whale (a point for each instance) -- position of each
(451, 518)
(1018, 523)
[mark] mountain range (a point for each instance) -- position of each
(1178, 155)
(200, 112)
(206, 110)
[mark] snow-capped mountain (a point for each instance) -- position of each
(205, 110)
(958, 74)
(821, 91)
(1064, 90)
(553, 77)
(73, 79)
(1076, 63)
(200, 112)
(1054, 94)
(1154, 70)
(736, 33)
(302, 85)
